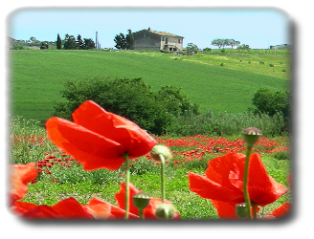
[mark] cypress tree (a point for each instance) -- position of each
(58, 42)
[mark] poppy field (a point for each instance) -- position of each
(79, 170)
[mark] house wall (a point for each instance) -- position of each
(172, 42)
(148, 40)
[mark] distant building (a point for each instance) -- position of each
(282, 46)
(149, 39)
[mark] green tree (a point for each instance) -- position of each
(218, 42)
(191, 48)
(89, 43)
(129, 40)
(243, 47)
(44, 45)
(271, 102)
(176, 102)
(69, 42)
(59, 42)
(79, 42)
(121, 42)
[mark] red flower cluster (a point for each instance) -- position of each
(30, 140)
(223, 183)
(97, 138)
(210, 145)
(70, 208)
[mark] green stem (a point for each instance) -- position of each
(162, 160)
(127, 190)
(245, 180)
(141, 213)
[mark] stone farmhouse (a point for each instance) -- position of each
(149, 39)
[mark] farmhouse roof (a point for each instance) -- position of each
(161, 33)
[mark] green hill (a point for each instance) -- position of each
(37, 77)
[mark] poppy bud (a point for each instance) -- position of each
(241, 210)
(141, 200)
(165, 211)
(160, 149)
(251, 135)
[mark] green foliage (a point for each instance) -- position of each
(44, 45)
(271, 102)
(129, 40)
(121, 42)
(79, 42)
(69, 42)
(17, 46)
(59, 42)
(130, 98)
(243, 47)
(218, 42)
(271, 65)
(223, 123)
(191, 49)
(207, 49)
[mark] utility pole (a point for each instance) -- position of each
(96, 40)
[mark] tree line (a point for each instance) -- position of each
(72, 43)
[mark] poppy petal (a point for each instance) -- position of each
(92, 150)
(134, 140)
(282, 211)
(103, 210)
(209, 189)
(262, 188)
(225, 210)
(120, 197)
(149, 211)
(21, 208)
(65, 209)
(21, 174)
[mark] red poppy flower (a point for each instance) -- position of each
(149, 211)
(65, 209)
(97, 138)
(224, 179)
(103, 210)
(21, 175)
(279, 212)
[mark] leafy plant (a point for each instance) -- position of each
(191, 49)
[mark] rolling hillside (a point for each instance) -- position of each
(37, 77)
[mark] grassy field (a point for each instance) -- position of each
(37, 77)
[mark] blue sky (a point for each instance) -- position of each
(256, 27)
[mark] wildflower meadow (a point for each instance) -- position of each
(103, 166)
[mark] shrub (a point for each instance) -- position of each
(131, 98)
(271, 102)
(191, 49)
(207, 49)
(261, 62)
(221, 64)
(227, 124)
(271, 65)
(17, 46)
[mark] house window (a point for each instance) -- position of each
(166, 40)
(162, 39)
(179, 40)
